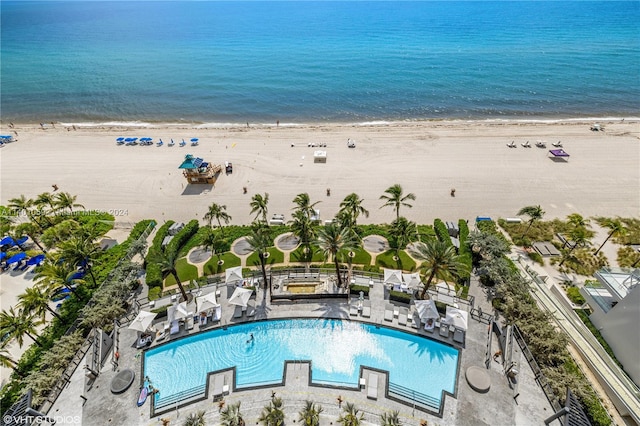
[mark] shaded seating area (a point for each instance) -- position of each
(546, 249)
(558, 154)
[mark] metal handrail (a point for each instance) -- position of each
(179, 397)
(414, 396)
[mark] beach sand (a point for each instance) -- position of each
(602, 176)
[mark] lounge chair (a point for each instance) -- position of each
(251, 309)
(218, 387)
(388, 312)
(444, 330)
(429, 325)
(557, 144)
(203, 319)
(217, 314)
(527, 144)
(402, 316)
(175, 327)
(372, 388)
(458, 336)
(160, 143)
(162, 334)
(237, 312)
(512, 144)
(189, 322)
(353, 309)
(366, 308)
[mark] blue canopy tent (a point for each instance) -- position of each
(120, 139)
(194, 139)
(16, 258)
(7, 241)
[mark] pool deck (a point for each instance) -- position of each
(467, 407)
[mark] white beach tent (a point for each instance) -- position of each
(412, 280)
(142, 321)
(208, 301)
(178, 311)
(232, 275)
(393, 277)
(457, 318)
(427, 309)
(240, 296)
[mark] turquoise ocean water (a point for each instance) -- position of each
(218, 62)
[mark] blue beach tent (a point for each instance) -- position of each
(194, 140)
(16, 258)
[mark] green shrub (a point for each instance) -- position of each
(536, 257)
(399, 296)
(155, 293)
(154, 273)
(161, 311)
(574, 295)
(356, 289)
(181, 238)
(196, 241)
(441, 232)
(426, 232)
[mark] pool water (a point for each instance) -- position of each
(335, 348)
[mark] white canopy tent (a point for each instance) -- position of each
(412, 280)
(457, 318)
(240, 296)
(427, 309)
(142, 321)
(208, 301)
(393, 277)
(178, 311)
(233, 275)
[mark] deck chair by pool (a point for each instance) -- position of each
(251, 309)
(429, 325)
(175, 327)
(388, 312)
(458, 336)
(353, 309)
(402, 316)
(444, 330)
(218, 387)
(372, 387)
(237, 312)
(366, 308)
(217, 314)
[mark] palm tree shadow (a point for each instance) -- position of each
(435, 353)
(332, 310)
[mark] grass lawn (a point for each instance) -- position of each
(186, 272)
(275, 256)
(298, 255)
(362, 257)
(404, 262)
(212, 267)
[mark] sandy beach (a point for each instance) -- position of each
(602, 176)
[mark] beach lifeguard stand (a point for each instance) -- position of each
(196, 170)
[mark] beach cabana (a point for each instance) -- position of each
(559, 154)
(240, 297)
(233, 275)
(456, 317)
(427, 309)
(21, 241)
(412, 280)
(142, 321)
(320, 156)
(7, 241)
(393, 278)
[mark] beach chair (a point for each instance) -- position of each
(458, 336)
(251, 309)
(366, 308)
(175, 327)
(162, 333)
(372, 388)
(402, 316)
(429, 325)
(557, 144)
(353, 309)
(444, 330)
(218, 387)
(183, 143)
(237, 312)
(217, 314)
(388, 312)
(189, 322)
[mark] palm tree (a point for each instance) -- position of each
(167, 263)
(35, 300)
(351, 208)
(350, 416)
(310, 414)
(404, 232)
(80, 251)
(272, 414)
(534, 212)
(23, 204)
(580, 237)
(390, 419)
(231, 416)
(616, 227)
(333, 239)
(195, 419)
(5, 357)
(64, 200)
(217, 212)
(215, 242)
(31, 231)
(260, 240)
(18, 324)
(303, 201)
(53, 274)
(576, 220)
(302, 228)
(439, 260)
(259, 206)
(396, 198)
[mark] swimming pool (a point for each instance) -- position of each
(336, 349)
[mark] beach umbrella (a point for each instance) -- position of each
(16, 258)
(7, 241)
(76, 276)
(240, 296)
(119, 139)
(3, 255)
(427, 309)
(392, 276)
(194, 139)
(412, 280)
(233, 274)
(207, 301)
(456, 317)
(21, 240)
(178, 311)
(142, 321)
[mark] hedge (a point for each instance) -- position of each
(441, 232)
(181, 238)
(154, 274)
(356, 289)
(399, 296)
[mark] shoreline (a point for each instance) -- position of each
(302, 124)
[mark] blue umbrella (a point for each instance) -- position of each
(194, 140)
(7, 241)
(119, 139)
(16, 258)
(22, 240)
(35, 260)
(2, 255)
(76, 276)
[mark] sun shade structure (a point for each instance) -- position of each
(190, 162)
(233, 274)
(208, 301)
(142, 321)
(456, 317)
(16, 258)
(392, 276)
(178, 311)
(412, 280)
(7, 241)
(559, 153)
(427, 309)
(240, 297)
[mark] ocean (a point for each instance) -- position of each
(317, 61)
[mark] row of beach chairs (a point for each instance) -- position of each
(404, 316)
(249, 310)
(365, 309)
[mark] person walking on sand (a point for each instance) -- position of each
(277, 123)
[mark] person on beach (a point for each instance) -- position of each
(278, 123)
(11, 125)
(55, 187)
(453, 192)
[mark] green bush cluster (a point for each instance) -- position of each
(466, 257)
(356, 289)
(181, 238)
(536, 257)
(574, 295)
(154, 274)
(399, 296)
(441, 232)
